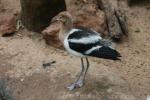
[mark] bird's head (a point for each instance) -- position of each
(64, 18)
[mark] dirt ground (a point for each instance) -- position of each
(23, 54)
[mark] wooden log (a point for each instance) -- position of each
(116, 19)
(36, 14)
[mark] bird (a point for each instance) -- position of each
(83, 42)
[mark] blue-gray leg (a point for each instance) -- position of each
(88, 64)
(80, 80)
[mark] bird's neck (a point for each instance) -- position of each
(64, 31)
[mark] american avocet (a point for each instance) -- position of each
(83, 42)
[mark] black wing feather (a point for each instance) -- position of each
(82, 48)
(105, 52)
(82, 33)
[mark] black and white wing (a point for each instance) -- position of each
(89, 43)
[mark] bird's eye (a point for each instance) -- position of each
(60, 17)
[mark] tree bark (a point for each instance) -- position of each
(36, 14)
(115, 18)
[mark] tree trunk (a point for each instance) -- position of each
(116, 18)
(36, 14)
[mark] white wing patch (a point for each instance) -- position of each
(73, 30)
(86, 40)
(93, 48)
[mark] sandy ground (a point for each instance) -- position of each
(23, 54)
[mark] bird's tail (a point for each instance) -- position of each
(109, 42)
(106, 53)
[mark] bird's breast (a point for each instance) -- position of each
(67, 47)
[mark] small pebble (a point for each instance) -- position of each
(22, 80)
(137, 30)
(148, 7)
(109, 90)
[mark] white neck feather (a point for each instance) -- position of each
(64, 31)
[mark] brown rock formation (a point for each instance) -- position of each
(7, 24)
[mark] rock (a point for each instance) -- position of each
(138, 30)
(147, 7)
(148, 98)
(87, 14)
(50, 34)
(7, 24)
(5, 93)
